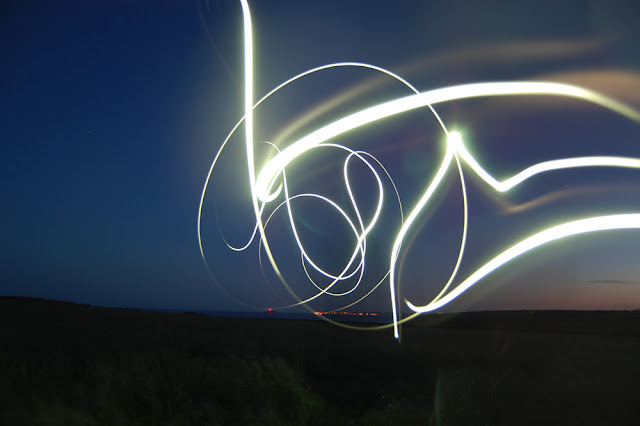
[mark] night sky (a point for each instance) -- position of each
(112, 112)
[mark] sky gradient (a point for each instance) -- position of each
(113, 111)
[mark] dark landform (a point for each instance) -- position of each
(68, 364)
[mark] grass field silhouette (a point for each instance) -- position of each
(64, 363)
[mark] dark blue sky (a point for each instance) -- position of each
(111, 113)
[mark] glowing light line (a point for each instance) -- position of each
(262, 184)
(601, 223)
(360, 237)
(361, 243)
(264, 98)
(465, 226)
(433, 97)
(456, 146)
(405, 228)
(547, 166)
(248, 49)
(249, 140)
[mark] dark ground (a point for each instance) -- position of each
(66, 364)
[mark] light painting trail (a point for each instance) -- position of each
(270, 184)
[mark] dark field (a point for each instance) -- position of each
(66, 364)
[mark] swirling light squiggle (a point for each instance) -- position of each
(273, 175)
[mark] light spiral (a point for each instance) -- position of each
(269, 186)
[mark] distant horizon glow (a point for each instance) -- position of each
(262, 184)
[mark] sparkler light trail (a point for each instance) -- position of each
(271, 184)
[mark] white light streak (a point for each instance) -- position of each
(601, 223)
(430, 98)
(273, 175)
